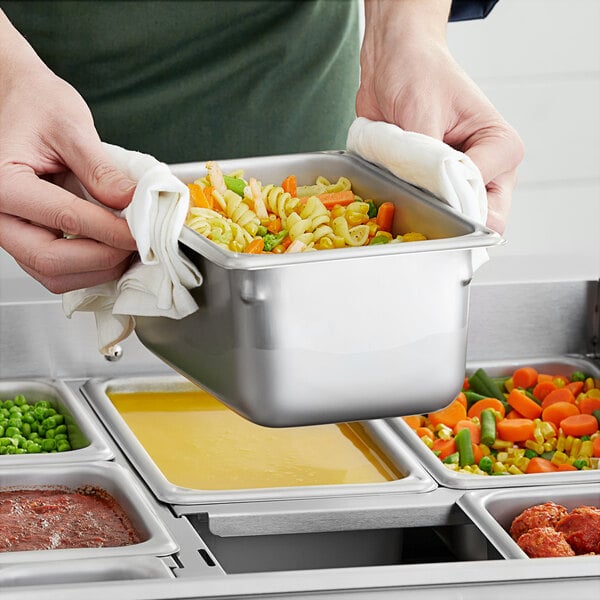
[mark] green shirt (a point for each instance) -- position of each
(200, 80)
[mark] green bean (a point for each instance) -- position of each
(452, 459)
(465, 447)
(488, 426)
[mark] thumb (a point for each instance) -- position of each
(95, 169)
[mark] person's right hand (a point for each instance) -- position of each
(47, 131)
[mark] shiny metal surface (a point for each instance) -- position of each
(454, 479)
(88, 441)
(114, 479)
(328, 336)
(494, 511)
(415, 478)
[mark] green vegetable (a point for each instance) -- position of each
(548, 455)
(578, 376)
(452, 459)
(596, 413)
(481, 383)
(529, 453)
(379, 239)
(472, 397)
(580, 463)
(372, 209)
(465, 447)
(486, 464)
(274, 239)
(262, 231)
(235, 184)
(488, 426)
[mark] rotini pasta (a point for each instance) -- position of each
(245, 216)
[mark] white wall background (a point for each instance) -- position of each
(539, 63)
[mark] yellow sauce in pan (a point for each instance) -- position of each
(199, 443)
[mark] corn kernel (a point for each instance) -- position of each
(413, 236)
(509, 385)
(427, 441)
(498, 467)
(587, 449)
(588, 384)
(594, 393)
(451, 466)
(522, 463)
(559, 382)
(595, 462)
(575, 448)
(538, 436)
(501, 444)
(547, 430)
(531, 445)
(548, 446)
(559, 458)
(568, 443)
(560, 443)
(514, 470)
(502, 457)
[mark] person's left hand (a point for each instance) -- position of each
(409, 78)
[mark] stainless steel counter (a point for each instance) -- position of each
(387, 545)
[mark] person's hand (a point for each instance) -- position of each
(409, 78)
(46, 131)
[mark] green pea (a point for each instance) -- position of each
(61, 437)
(28, 418)
(14, 422)
(20, 400)
(11, 449)
(486, 464)
(580, 463)
(26, 429)
(3, 449)
(5, 441)
(48, 445)
(43, 404)
(33, 447)
(21, 451)
(61, 429)
(1, 431)
(8, 404)
(63, 446)
(50, 433)
(12, 431)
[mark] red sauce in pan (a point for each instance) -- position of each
(47, 519)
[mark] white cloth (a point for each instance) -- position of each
(426, 163)
(157, 284)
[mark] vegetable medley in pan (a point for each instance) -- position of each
(246, 216)
(529, 422)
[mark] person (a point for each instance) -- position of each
(186, 81)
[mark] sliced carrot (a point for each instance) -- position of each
(543, 377)
(588, 405)
(197, 197)
(274, 225)
(255, 246)
(466, 384)
(515, 430)
(542, 389)
(331, 199)
(414, 421)
(567, 467)
(473, 427)
(596, 447)
(425, 432)
(444, 447)
(540, 465)
(450, 415)
(286, 241)
(559, 395)
(575, 386)
(462, 399)
(578, 425)
(558, 411)
(513, 414)
(385, 216)
(289, 185)
(525, 405)
(525, 377)
(477, 407)
(477, 453)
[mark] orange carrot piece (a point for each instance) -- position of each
(567, 467)
(462, 399)
(414, 421)
(558, 411)
(331, 199)
(559, 395)
(450, 415)
(289, 185)
(542, 389)
(274, 225)
(588, 405)
(543, 377)
(477, 407)
(425, 432)
(255, 246)
(515, 430)
(444, 447)
(525, 377)
(540, 465)
(596, 447)
(197, 197)
(578, 425)
(466, 384)
(385, 216)
(473, 427)
(513, 414)
(575, 386)
(477, 453)
(523, 404)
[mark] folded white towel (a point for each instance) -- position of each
(424, 162)
(157, 284)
